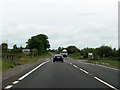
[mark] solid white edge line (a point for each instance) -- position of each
(104, 66)
(32, 70)
(106, 83)
(8, 87)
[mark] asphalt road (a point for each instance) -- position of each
(68, 74)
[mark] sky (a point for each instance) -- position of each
(82, 23)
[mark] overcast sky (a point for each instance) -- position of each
(83, 23)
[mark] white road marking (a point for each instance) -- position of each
(75, 66)
(84, 71)
(95, 77)
(114, 68)
(8, 87)
(32, 70)
(103, 66)
(15, 82)
(106, 83)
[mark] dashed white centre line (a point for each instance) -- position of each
(75, 66)
(95, 77)
(15, 82)
(84, 71)
(9, 86)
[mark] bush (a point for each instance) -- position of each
(95, 58)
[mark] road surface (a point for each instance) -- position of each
(68, 74)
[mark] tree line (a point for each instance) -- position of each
(99, 52)
(38, 45)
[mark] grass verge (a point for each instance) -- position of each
(7, 64)
(110, 63)
(106, 62)
(0, 65)
(33, 59)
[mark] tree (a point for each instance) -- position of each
(39, 42)
(4, 47)
(118, 52)
(16, 49)
(72, 49)
(114, 52)
(60, 49)
(15, 46)
(87, 50)
(104, 51)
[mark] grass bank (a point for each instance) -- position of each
(33, 59)
(111, 62)
(7, 64)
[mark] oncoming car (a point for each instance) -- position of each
(57, 57)
(64, 53)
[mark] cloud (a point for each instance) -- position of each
(65, 23)
(90, 36)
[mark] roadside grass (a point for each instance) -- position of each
(29, 59)
(111, 62)
(0, 65)
(7, 64)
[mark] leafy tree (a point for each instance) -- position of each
(118, 52)
(53, 50)
(104, 51)
(39, 42)
(16, 49)
(60, 49)
(34, 52)
(114, 52)
(15, 46)
(87, 50)
(72, 49)
(4, 47)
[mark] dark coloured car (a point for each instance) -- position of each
(57, 57)
(64, 54)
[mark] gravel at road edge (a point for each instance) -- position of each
(18, 69)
